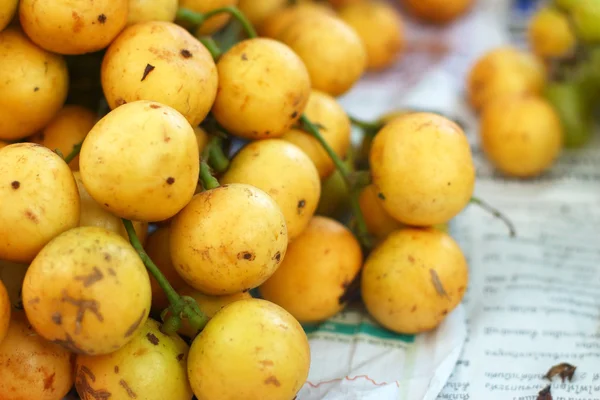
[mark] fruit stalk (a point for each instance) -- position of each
(211, 46)
(369, 128)
(74, 152)
(217, 160)
(496, 214)
(197, 19)
(208, 181)
(179, 306)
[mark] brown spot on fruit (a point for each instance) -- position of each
(130, 392)
(170, 180)
(89, 280)
(413, 309)
(116, 369)
(244, 57)
(112, 272)
(85, 370)
(35, 89)
(85, 390)
(180, 356)
(69, 344)
(107, 257)
(102, 18)
(82, 305)
(246, 255)
(301, 205)
(154, 106)
(78, 24)
(57, 318)
(136, 324)
(277, 257)
(437, 283)
(294, 114)
(15, 184)
(411, 259)
(120, 101)
(33, 301)
(272, 380)
(381, 196)
(49, 381)
(267, 363)
(149, 68)
(445, 312)
(152, 338)
(185, 53)
(32, 217)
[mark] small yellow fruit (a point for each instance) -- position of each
(258, 11)
(550, 34)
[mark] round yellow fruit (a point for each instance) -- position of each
(8, 9)
(263, 89)
(318, 268)
(88, 291)
(438, 11)
(521, 136)
(503, 72)
(141, 161)
(38, 200)
(284, 172)
(214, 23)
(228, 239)
(152, 366)
(422, 168)
(5, 307)
(334, 125)
(68, 128)
(32, 79)
(258, 11)
(414, 279)
(152, 10)
(270, 349)
(273, 25)
(31, 367)
(550, 34)
(332, 51)
(380, 27)
(67, 27)
(162, 62)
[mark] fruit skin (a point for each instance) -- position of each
(31, 367)
(586, 18)
(88, 291)
(228, 239)
(334, 54)
(38, 200)
(5, 307)
(504, 71)
(521, 136)
(549, 33)
(212, 24)
(263, 89)
(8, 9)
(68, 128)
(335, 127)
(184, 75)
(569, 102)
(422, 168)
(318, 267)
(379, 223)
(141, 161)
(65, 27)
(270, 349)
(399, 288)
(152, 10)
(380, 27)
(258, 11)
(437, 11)
(152, 366)
(32, 79)
(273, 25)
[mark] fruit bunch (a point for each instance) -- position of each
(534, 103)
(132, 230)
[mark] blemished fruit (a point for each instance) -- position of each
(152, 10)
(380, 27)
(270, 349)
(30, 366)
(5, 307)
(68, 128)
(586, 18)
(550, 34)
(437, 11)
(88, 291)
(161, 166)
(422, 168)
(521, 136)
(214, 23)
(414, 279)
(277, 22)
(332, 51)
(334, 125)
(285, 173)
(318, 267)
(379, 223)
(263, 89)
(228, 239)
(8, 9)
(258, 11)
(504, 71)
(162, 62)
(38, 200)
(32, 79)
(152, 366)
(67, 27)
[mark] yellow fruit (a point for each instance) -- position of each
(8, 9)
(380, 27)
(67, 27)
(379, 223)
(162, 62)
(152, 10)
(550, 34)
(332, 51)
(32, 79)
(270, 349)
(284, 172)
(412, 280)
(228, 239)
(521, 136)
(212, 24)
(152, 366)
(422, 169)
(38, 200)
(334, 125)
(141, 161)
(438, 11)
(263, 89)
(273, 25)
(88, 291)
(319, 266)
(258, 11)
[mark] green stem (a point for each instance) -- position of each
(368, 127)
(208, 181)
(211, 46)
(351, 183)
(197, 19)
(191, 17)
(74, 152)
(496, 214)
(217, 159)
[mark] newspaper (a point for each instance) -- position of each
(533, 301)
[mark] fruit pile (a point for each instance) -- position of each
(535, 103)
(133, 232)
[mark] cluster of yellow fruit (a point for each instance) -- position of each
(535, 103)
(129, 241)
